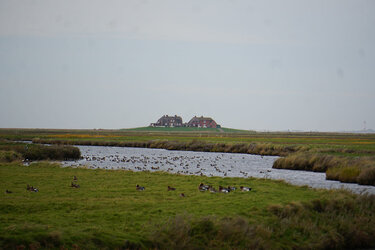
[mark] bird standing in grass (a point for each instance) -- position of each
(31, 188)
(75, 185)
(171, 188)
(223, 190)
(203, 187)
(139, 188)
(212, 189)
(245, 189)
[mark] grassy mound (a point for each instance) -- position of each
(188, 129)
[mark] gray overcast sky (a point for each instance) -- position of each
(263, 65)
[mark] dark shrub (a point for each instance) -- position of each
(55, 152)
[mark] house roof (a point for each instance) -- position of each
(170, 117)
(201, 118)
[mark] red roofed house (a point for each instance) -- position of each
(202, 122)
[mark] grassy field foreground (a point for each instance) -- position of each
(108, 212)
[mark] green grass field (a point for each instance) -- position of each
(108, 212)
(358, 144)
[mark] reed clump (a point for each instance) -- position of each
(9, 156)
(18, 151)
(340, 223)
(210, 233)
(345, 222)
(347, 174)
(359, 170)
(367, 176)
(54, 152)
(308, 162)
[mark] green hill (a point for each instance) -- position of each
(188, 129)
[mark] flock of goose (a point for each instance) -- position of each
(202, 187)
(187, 163)
(177, 164)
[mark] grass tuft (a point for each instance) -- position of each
(9, 156)
(337, 223)
(347, 174)
(367, 176)
(211, 233)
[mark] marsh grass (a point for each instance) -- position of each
(330, 143)
(10, 151)
(308, 162)
(344, 174)
(359, 170)
(193, 145)
(210, 232)
(53, 152)
(9, 156)
(108, 212)
(295, 157)
(342, 222)
(367, 176)
(302, 151)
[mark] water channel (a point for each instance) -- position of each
(203, 163)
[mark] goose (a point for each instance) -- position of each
(31, 188)
(223, 190)
(74, 185)
(212, 189)
(139, 188)
(171, 188)
(8, 191)
(245, 189)
(203, 187)
(182, 195)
